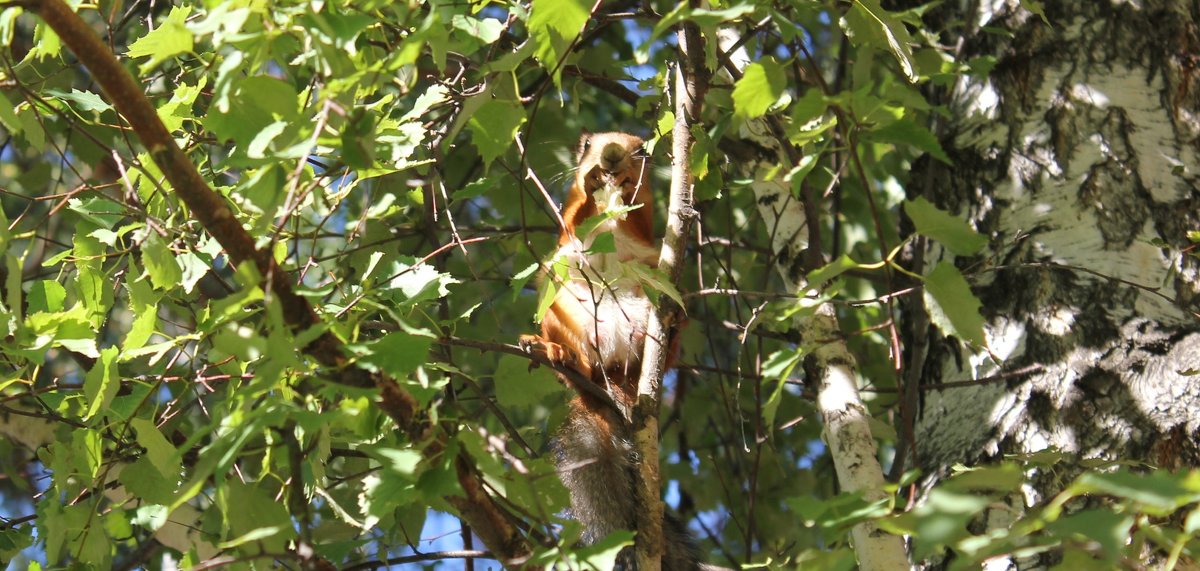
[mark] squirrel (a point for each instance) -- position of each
(596, 326)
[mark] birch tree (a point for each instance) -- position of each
(266, 264)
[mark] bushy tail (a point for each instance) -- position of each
(596, 462)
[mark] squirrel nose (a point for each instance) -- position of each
(611, 157)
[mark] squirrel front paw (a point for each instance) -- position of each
(553, 352)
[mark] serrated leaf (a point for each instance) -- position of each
(160, 263)
(1036, 8)
(823, 274)
(101, 382)
(950, 231)
(143, 303)
(473, 189)
(398, 353)
(174, 112)
(517, 284)
(170, 39)
(683, 11)
(519, 387)
(1006, 477)
(654, 279)
(252, 514)
(869, 24)
(1104, 527)
(486, 30)
(46, 296)
(761, 85)
(588, 226)
(1158, 492)
(549, 288)
(145, 482)
(905, 132)
(9, 119)
(952, 307)
(553, 26)
(494, 128)
(358, 140)
(82, 100)
(158, 449)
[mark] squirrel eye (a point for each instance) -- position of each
(587, 144)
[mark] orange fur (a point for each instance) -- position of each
(613, 160)
(597, 326)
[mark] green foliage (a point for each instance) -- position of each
(952, 306)
(372, 149)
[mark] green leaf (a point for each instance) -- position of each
(520, 387)
(1107, 529)
(101, 382)
(1158, 492)
(867, 23)
(179, 108)
(83, 100)
(159, 450)
(13, 540)
(143, 303)
(358, 140)
(260, 146)
(160, 263)
(47, 44)
(252, 514)
(761, 85)
(494, 127)
(1006, 477)
(683, 11)
(823, 274)
(473, 189)
(1036, 7)
(486, 30)
(398, 353)
(194, 269)
(147, 483)
(952, 307)
(587, 227)
(9, 119)
(46, 296)
(169, 39)
(403, 461)
(950, 231)
(553, 27)
(656, 280)
(558, 273)
(905, 132)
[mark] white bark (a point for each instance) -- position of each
(846, 420)
(1073, 159)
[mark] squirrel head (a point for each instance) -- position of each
(616, 158)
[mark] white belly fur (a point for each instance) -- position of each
(615, 304)
(618, 310)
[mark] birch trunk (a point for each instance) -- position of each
(1077, 155)
(831, 366)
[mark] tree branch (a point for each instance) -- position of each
(213, 212)
(691, 83)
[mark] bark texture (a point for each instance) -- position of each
(1078, 156)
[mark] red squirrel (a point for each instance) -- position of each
(596, 325)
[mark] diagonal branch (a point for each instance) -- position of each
(477, 507)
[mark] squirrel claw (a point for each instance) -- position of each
(553, 352)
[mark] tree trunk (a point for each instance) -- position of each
(1077, 156)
